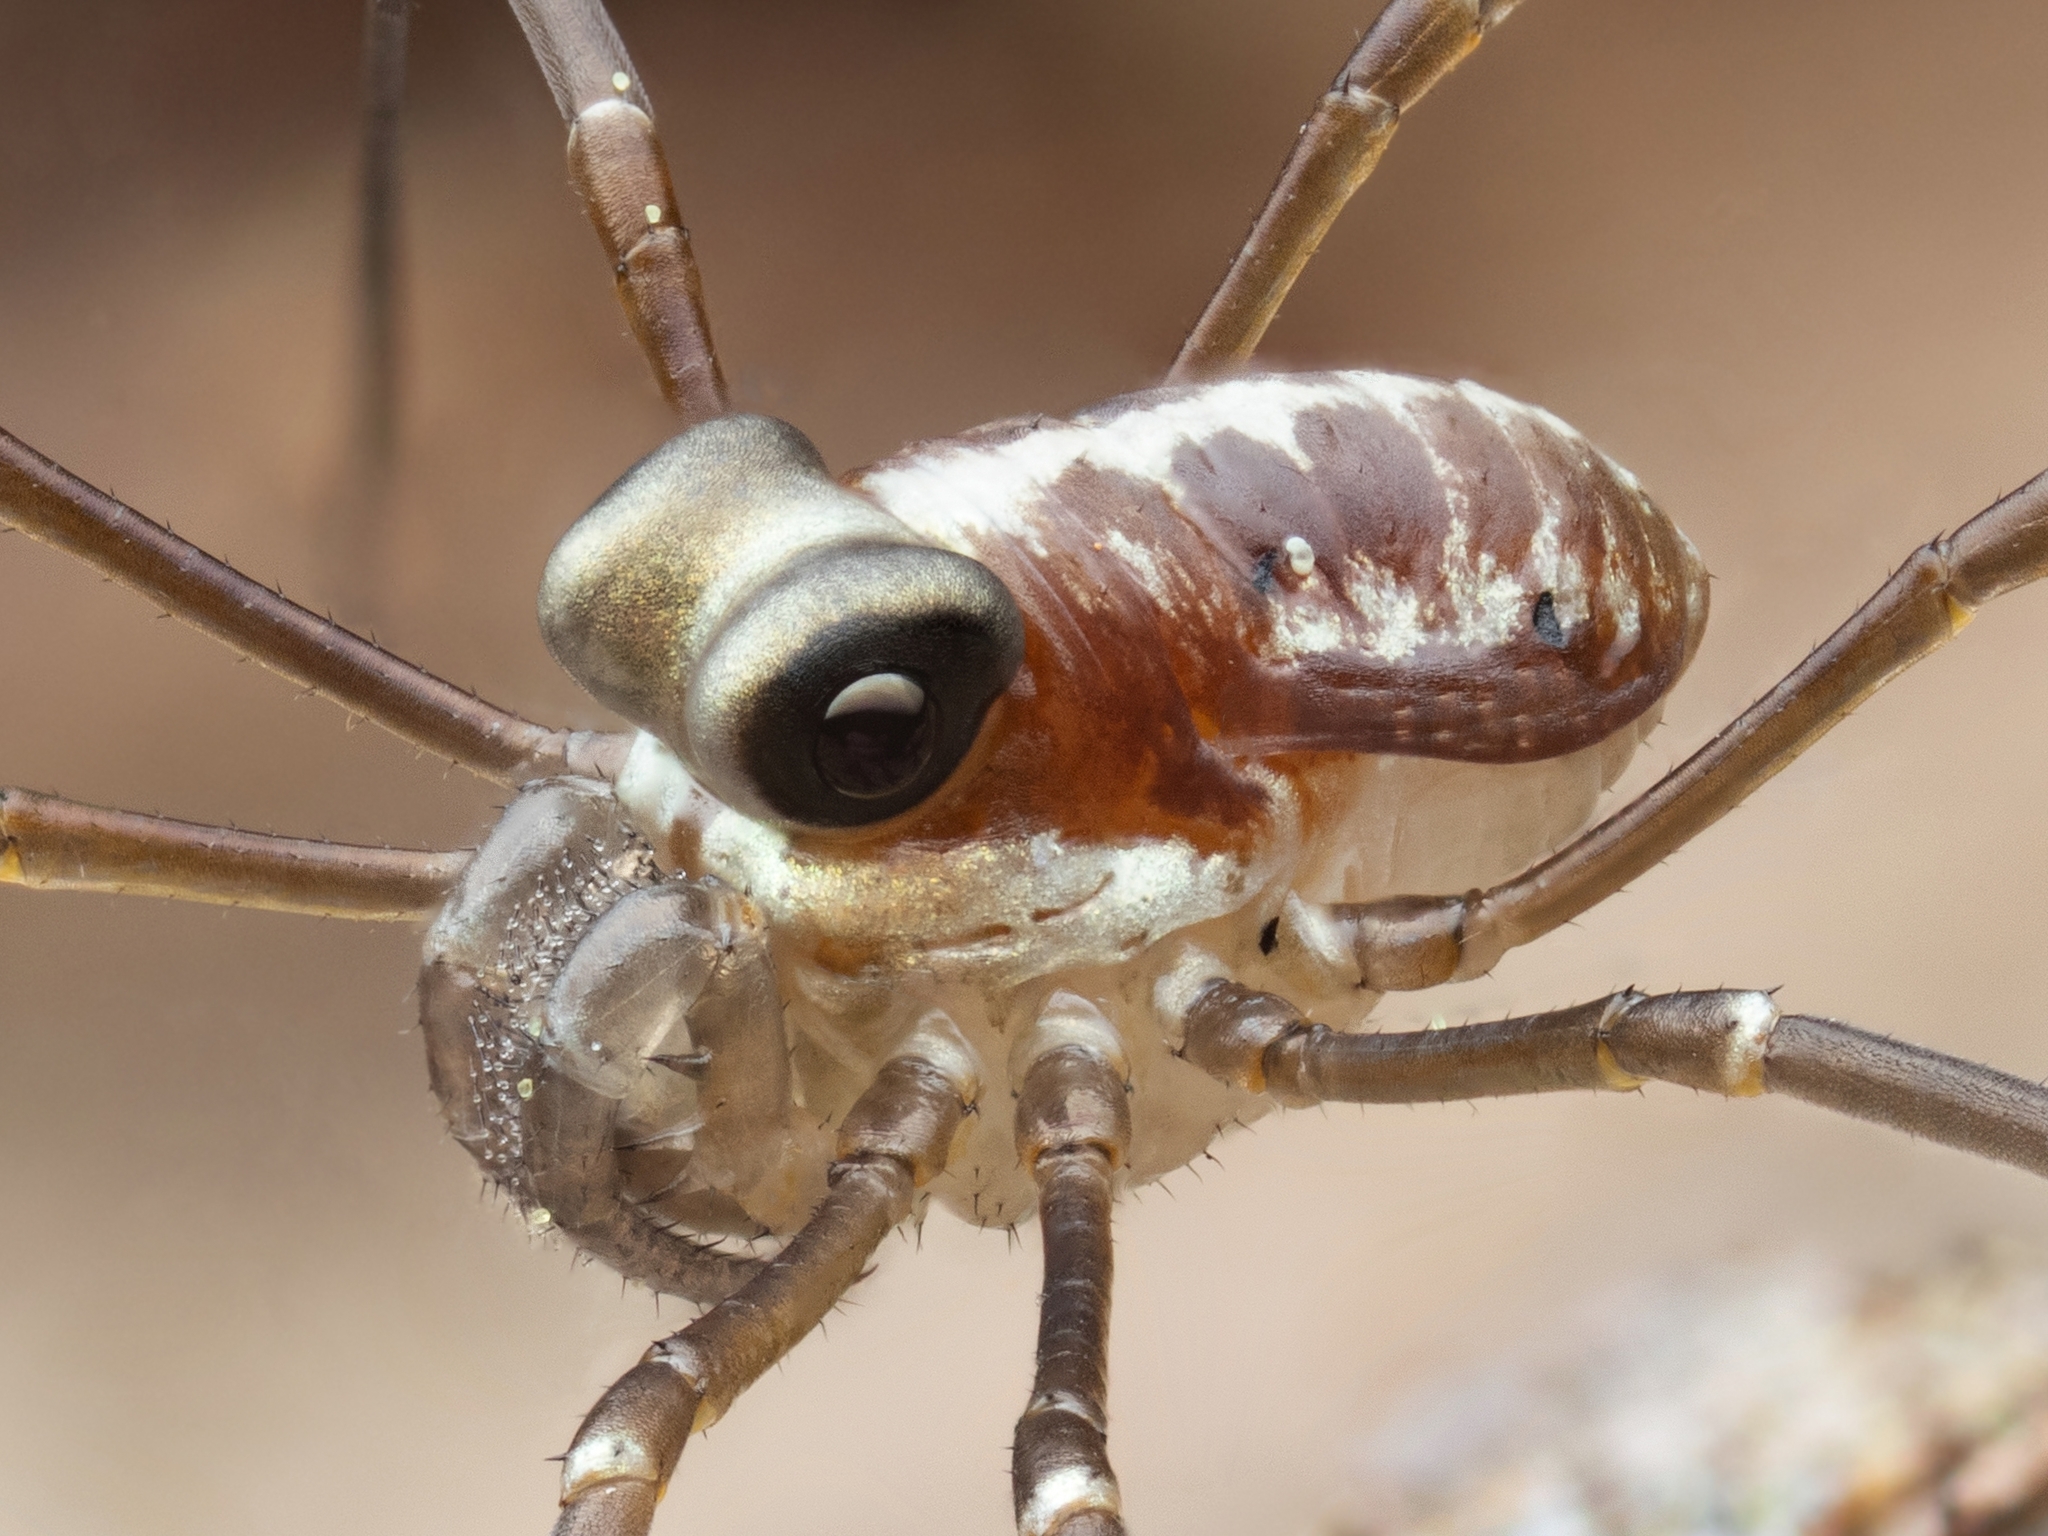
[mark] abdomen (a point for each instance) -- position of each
(1279, 567)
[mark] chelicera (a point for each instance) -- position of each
(1031, 765)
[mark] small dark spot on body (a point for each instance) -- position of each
(1544, 619)
(1269, 936)
(1262, 572)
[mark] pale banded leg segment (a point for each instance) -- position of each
(1073, 1131)
(1733, 1043)
(1409, 942)
(59, 845)
(616, 164)
(1412, 45)
(895, 1139)
(55, 507)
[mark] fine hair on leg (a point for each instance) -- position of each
(53, 506)
(894, 1139)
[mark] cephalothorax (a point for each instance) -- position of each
(1005, 818)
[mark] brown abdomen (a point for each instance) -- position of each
(1354, 562)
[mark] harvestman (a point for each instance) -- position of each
(1019, 770)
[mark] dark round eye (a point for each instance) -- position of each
(847, 690)
(877, 736)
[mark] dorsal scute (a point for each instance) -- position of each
(1353, 561)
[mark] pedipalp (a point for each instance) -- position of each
(893, 1140)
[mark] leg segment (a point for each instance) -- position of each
(1073, 1130)
(617, 166)
(1733, 1043)
(1412, 45)
(356, 521)
(58, 844)
(894, 1139)
(55, 507)
(1411, 942)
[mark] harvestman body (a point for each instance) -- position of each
(1005, 818)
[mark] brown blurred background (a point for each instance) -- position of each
(1786, 262)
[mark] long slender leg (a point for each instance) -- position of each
(356, 522)
(60, 845)
(1410, 942)
(1412, 45)
(894, 1140)
(616, 163)
(1734, 1043)
(55, 507)
(1073, 1130)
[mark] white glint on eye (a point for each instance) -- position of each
(1301, 555)
(885, 693)
(622, 82)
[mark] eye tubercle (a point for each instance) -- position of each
(726, 592)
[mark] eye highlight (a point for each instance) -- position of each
(876, 737)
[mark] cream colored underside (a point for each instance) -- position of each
(988, 931)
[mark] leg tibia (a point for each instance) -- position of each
(55, 507)
(1412, 45)
(58, 844)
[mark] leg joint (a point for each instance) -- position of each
(1713, 1041)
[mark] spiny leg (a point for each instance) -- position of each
(616, 163)
(1073, 1130)
(54, 844)
(1409, 942)
(55, 507)
(1733, 1043)
(894, 1140)
(356, 522)
(1412, 45)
